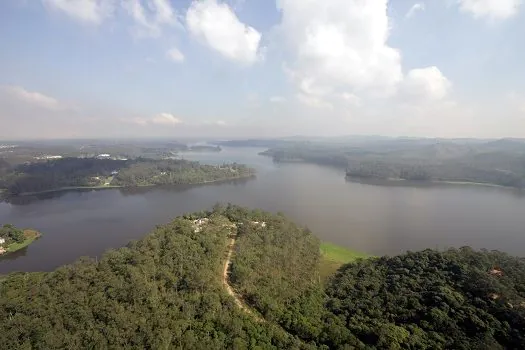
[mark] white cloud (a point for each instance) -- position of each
(415, 8)
(162, 119)
(314, 101)
(277, 99)
(87, 11)
(426, 84)
(175, 55)
(220, 123)
(218, 26)
(339, 46)
(165, 119)
(491, 9)
(34, 99)
(351, 99)
(150, 16)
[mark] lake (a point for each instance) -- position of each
(370, 218)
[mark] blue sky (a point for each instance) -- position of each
(259, 68)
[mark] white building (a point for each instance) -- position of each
(49, 157)
(2, 240)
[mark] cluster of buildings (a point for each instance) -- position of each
(2, 248)
(108, 156)
(49, 157)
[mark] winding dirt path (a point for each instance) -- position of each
(226, 281)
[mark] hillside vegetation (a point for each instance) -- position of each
(161, 292)
(457, 299)
(92, 172)
(500, 162)
(276, 269)
(167, 291)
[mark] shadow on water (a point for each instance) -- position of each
(128, 191)
(15, 255)
(26, 200)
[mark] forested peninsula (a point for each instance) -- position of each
(169, 290)
(73, 173)
(496, 162)
(13, 238)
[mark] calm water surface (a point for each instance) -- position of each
(374, 219)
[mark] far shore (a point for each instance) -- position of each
(103, 187)
(392, 180)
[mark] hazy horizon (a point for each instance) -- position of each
(240, 138)
(237, 69)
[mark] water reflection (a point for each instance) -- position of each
(128, 191)
(15, 255)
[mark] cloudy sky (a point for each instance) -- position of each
(259, 68)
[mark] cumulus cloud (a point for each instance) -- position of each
(150, 16)
(340, 46)
(415, 8)
(32, 98)
(490, 9)
(175, 55)
(426, 84)
(341, 58)
(217, 25)
(87, 11)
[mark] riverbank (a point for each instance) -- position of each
(404, 182)
(334, 256)
(30, 237)
(82, 188)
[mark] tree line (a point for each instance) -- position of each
(501, 163)
(93, 172)
(11, 234)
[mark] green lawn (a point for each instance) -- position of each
(333, 256)
(30, 235)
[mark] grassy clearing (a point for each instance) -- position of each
(30, 235)
(333, 256)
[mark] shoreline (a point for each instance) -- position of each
(14, 247)
(386, 181)
(79, 188)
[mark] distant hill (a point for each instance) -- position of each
(499, 162)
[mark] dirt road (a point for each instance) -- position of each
(226, 281)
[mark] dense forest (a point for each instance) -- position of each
(457, 299)
(93, 172)
(165, 291)
(500, 162)
(166, 172)
(161, 292)
(278, 274)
